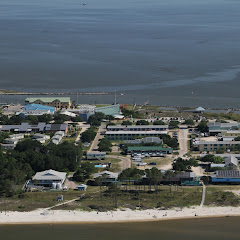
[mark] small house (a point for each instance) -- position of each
(96, 155)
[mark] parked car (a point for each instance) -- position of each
(152, 163)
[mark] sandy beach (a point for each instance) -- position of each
(42, 216)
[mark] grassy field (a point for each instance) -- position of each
(166, 197)
(160, 161)
(181, 197)
(115, 166)
(115, 153)
(222, 196)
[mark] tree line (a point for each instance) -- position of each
(29, 157)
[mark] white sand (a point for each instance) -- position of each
(61, 216)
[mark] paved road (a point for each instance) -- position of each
(183, 142)
(99, 136)
(126, 161)
(203, 196)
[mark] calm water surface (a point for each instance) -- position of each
(171, 52)
(197, 229)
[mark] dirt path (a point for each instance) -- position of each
(183, 142)
(203, 196)
(126, 161)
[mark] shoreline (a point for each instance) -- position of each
(54, 94)
(42, 216)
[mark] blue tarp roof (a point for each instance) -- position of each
(34, 106)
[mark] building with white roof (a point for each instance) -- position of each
(107, 176)
(48, 178)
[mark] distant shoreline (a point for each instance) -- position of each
(9, 92)
(5, 92)
(93, 217)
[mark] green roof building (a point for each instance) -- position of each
(149, 149)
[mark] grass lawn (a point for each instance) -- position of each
(115, 166)
(114, 153)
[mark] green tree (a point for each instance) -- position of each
(125, 123)
(45, 118)
(105, 145)
(173, 124)
(203, 127)
(171, 142)
(95, 119)
(77, 119)
(131, 113)
(32, 119)
(142, 122)
(159, 122)
(84, 171)
(114, 189)
(184, 165)
(208, 158)
(237, 138)
(189, 122)
(3, 135)
(109, 117)
(61, 118)
(88, 135)
(220, 151)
